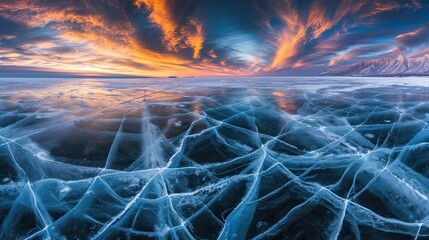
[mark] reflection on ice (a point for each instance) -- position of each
(206, 158)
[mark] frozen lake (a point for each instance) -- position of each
(208, 158)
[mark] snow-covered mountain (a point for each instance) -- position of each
(399, 66)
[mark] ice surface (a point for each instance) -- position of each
(238, 158)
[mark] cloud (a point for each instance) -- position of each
(193, 38)
(307, 28)
(177, 36)
(104, 31)
(356, 53)
(415, 38)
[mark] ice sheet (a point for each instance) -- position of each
(232, 158)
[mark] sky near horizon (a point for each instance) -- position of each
(204, 37)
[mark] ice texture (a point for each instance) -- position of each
(233, 158)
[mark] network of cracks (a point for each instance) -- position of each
(87, 160)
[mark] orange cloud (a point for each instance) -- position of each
(176, 36)
(342, 57)
(102, 40)
(297, 31)
(212, 54)
(105, 47)
(195, 40)
(163, 18)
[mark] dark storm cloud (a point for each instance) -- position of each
(202, 37)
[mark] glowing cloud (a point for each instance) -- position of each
(189, 34)
(194, 38)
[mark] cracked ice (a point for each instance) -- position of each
(275, 158)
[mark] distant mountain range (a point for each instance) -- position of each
(399, 66)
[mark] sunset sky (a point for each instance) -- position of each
(204, 37)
